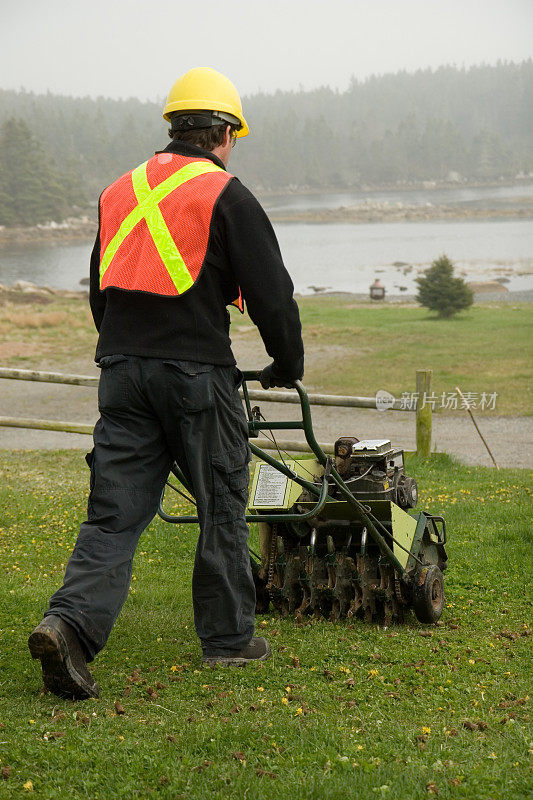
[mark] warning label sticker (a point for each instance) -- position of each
(271, 487)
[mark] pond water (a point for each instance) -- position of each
(340, 256)
(350, 257)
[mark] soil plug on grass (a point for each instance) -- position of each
(262, 773)
(202, 766)
(54, 735)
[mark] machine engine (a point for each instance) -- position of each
(373, 470)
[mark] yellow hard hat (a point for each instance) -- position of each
(205, 89)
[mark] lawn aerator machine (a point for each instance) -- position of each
(337, 535)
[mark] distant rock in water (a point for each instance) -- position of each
(400, 264)
(487, 286)
(85, 281)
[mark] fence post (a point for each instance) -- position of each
(423, 413)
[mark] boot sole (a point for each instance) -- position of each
(59, 674)
(226, 661)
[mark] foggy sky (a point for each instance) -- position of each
(125, 48)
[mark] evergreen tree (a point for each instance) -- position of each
(31, 191)
(440, 291)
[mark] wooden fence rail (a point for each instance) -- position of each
(422, 410)
(48, 377)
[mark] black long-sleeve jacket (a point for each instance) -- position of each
(242, 252)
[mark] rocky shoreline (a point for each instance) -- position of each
(400, 212)
(71, 229)
(84, 228)
(484, 292)
(27, 292)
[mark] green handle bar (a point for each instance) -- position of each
(305, 424)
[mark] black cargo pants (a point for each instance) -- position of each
(152, 412)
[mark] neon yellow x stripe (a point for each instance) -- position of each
(148, 209)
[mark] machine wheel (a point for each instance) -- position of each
(428, 594)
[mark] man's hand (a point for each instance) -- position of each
(269, 378)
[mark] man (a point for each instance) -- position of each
(179, 239)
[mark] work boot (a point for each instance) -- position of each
(257, 650)
(63, 661)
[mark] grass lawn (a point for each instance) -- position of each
(342, 710)
(351, 348)
(481, 350)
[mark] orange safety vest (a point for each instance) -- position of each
(155, 222)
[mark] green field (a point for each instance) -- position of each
(481, 350)
(341, 710)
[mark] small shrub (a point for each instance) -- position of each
(440, 291)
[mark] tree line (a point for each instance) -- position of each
(57, 153)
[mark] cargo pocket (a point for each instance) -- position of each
(113, 387)
(231, 477)
(190, 385)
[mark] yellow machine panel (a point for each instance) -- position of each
(403, 530)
